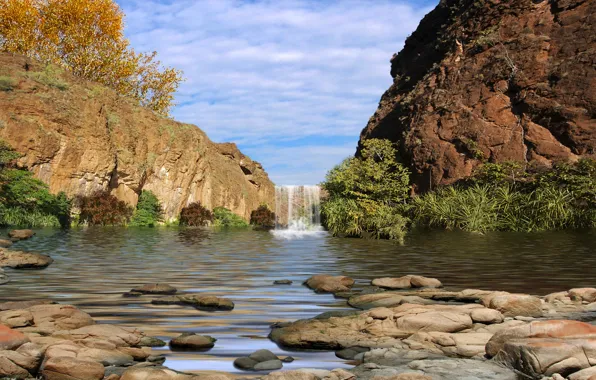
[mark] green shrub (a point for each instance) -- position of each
(7, 83)
(223, 217)
(367, 194)
(148, 211)
(262, 218)
(195, 215)
(103, 209)
(50, 76)
(26, 201)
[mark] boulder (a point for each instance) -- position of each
(387, 299)
(261, 360)
(23, 260)
(150, 341)
(9, 369)
(322, 283)
(584, 374)
(21, 234)
(192, 341)
(5, 243)
(11, 339)
(58, 317)
(65, 368)
(425, 282)
(351, 353)
(21, 363)
(486, 316)
(537, 357)
(557, 329)
(513, 305)
(441, 321)
(16, 318)
(118, 336)
(583, 294)
(155, 289)
(268, 365)
(393, 283)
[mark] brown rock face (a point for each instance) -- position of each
(85, 138)
(492, 80)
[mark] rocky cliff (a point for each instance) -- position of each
(492, 80)
(80, 137)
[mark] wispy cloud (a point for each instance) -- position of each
(286, 80)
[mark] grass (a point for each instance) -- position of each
(17, 217)
(7, 83)
(224, 217)
(50, 76)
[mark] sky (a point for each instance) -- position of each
(291, 82)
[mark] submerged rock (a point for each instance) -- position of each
(283, 282)
(200, 302)
(192, 341)
(322, 283)
(155, 289)
(23, 260)
(21, 234)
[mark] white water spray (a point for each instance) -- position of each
(297, 211)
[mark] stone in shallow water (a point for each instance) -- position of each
(5, 243)
(155, 289)
(21, 234)
(245, 363)
(268, 365)
(282, 282)
(350, 353)
(322, 283)
(263, 355)
(209, 303)
(23, 260)
(192, 341)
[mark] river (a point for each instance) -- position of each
(94, 266)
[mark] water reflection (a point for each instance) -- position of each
(94, 266)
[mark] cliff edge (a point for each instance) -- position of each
(80, 137)
(492, 80)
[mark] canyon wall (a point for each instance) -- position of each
(80, 137)
(492, 81)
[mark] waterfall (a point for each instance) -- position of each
(297, 211)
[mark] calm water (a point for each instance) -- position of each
(93, 267)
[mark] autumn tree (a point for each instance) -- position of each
(86, 37)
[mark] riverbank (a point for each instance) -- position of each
(92, 269)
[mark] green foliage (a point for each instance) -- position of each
(26, 201)
(148, 212)
(103, 209)
(505, 197)
(226, 218)
(7, 83)
(367, 194)
(262, 218)
(50, 76)
(195, 215)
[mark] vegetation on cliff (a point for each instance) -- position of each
(26, 201)
(223, 217)
(262, 218)
(149, 211)
(498, 197)
(103, 209)
(195, 215)
(86, 37)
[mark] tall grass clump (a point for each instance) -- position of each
(148, 212)
(26, 201)
(507, 197)
(367, 195)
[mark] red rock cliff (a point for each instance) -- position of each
(492, 80)
(80, 137)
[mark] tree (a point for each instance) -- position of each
(86, 37)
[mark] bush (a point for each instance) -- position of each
(26, 201)
(148, 211)
(50, 76)
(103, 209)
(7, 83)
(223, 217)
(367, 194)
(195, 215)
(262, 218)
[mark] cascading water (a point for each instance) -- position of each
(297, 211)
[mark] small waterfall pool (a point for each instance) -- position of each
(297, 212)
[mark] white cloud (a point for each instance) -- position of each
(277, 76)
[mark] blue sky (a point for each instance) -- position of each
(291, 82)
